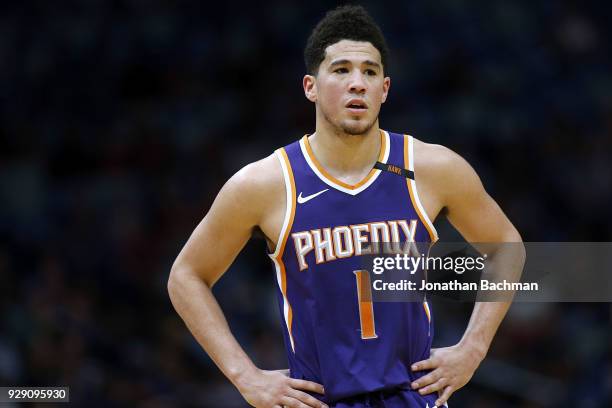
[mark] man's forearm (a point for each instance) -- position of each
(506, 263)
(195, 303)
(484, 322)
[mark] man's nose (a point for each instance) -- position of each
(357, 83)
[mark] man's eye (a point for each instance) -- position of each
(341, 71)
(370, 72)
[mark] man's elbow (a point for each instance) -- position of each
(174, 280)
(522, 253)
(181, 277)
(513, 241)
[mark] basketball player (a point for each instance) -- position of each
(318, 200)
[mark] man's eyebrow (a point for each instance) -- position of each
(339, 62)
(372, 63)
(345, 61)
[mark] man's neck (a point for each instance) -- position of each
(349, 158)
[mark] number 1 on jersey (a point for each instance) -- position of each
(366, 308)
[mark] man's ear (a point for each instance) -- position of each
(310, 87)
(386, 86)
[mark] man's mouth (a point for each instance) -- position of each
(356, 105)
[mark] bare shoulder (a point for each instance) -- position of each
(261, 177)
(242, 205)
(442, 177)
(436, 158)
(439, 163)
(257, 186)
(449, 182)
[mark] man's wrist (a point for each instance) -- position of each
(477, 348)
(239, 376)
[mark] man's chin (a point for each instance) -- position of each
(356, 127)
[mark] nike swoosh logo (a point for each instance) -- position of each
(302, 200)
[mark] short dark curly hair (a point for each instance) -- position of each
(344, 23)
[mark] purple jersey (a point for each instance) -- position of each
(333, 334)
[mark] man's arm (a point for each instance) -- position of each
(479, 219)
(251, 197)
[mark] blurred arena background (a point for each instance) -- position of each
(120, 120)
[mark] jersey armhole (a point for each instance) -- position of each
(277, 255)
(412, 188)
(281, 241)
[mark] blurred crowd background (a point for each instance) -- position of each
(120, 121)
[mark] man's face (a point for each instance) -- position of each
(349, 87)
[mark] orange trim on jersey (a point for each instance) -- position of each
(283, 242)
(427, 312)
(432, 234)
(381, 156)
(280, 246)
(366, 308)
